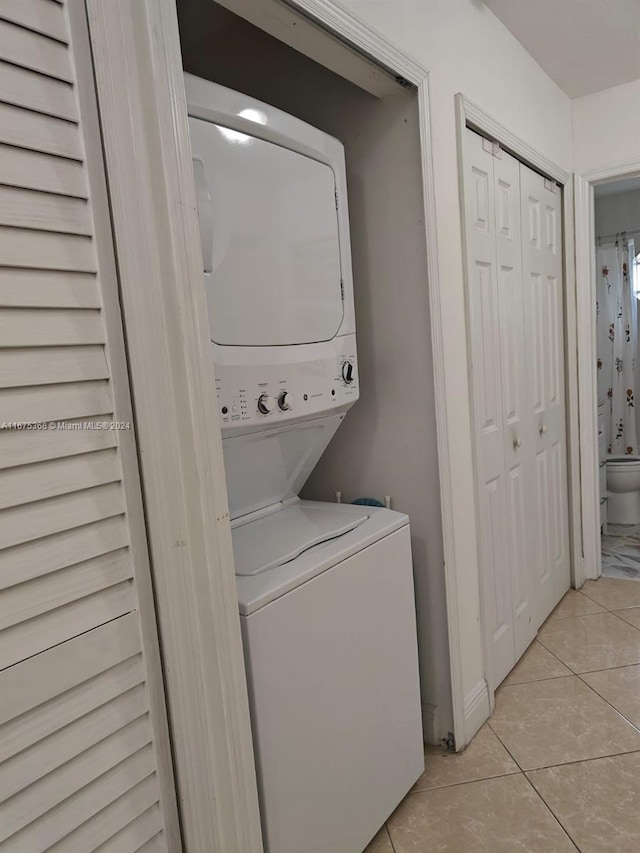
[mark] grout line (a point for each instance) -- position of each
(551, 812)
(617, 710)
(388, 831)
(518, 772)
(591, 599)
(513, 758)
(467, 781)
(608, 668)
(581, 761)
(572, 671)
(620, 610)
(540, 680)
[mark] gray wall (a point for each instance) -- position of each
(618, 212)
(387, 444)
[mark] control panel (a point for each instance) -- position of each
(265, 394)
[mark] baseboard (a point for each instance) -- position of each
(431, 724)
(477, 709)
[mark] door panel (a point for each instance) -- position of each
(490, 393)
(83, 732)
(518, 434)
(542, 269)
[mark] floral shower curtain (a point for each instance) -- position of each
(617, 337)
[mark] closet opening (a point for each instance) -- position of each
(513, 212)
(617, 290)
(253, 48)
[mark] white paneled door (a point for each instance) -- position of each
(544, 301)
(515, 323)
(85, 762)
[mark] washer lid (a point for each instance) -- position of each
(276, 539)
(269, 233)
(258, 590)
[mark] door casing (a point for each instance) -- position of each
(586, 349)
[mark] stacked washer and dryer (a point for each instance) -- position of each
(325, 590)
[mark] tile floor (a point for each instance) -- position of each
(621, 551)
(557, 767)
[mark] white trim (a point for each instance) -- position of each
(363, 38)
(477, 708)
(587, 354)
(585, 243)
(145, 135)
(304, 34)
(476, 117)
(431, 724)
(442, 420)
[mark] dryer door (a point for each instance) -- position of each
(269, 232)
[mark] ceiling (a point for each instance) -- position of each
(626, 185)
(584, 45)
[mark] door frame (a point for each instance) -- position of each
(470, 115)
(587, 352)
(145, 139)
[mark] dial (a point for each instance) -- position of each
(265, 404)
(347, 372)
(285, 399)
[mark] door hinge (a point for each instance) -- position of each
(335, 194)
(342, 289)
(492, 147)
(550, 185)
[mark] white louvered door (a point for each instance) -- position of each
(85, 760)
(516, 339)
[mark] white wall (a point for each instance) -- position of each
(618, 212)
(606, 128)
(387, 444)
(468, 50)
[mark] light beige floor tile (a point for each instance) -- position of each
(484, 758)
(587, 643)
(597, 802)
(536, 664)
(621, 688)
(630, 615)
(492, 816)
(575, 604)
(381, 843)
(558, 721)
(613, 593)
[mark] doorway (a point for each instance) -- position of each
(617, 289)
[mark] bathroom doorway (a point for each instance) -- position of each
(617, 253)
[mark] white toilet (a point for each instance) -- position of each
(623, 485)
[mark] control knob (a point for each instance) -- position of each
(285, 400)
(265, 404)
(347, 372)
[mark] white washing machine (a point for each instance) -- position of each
(325, 590)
